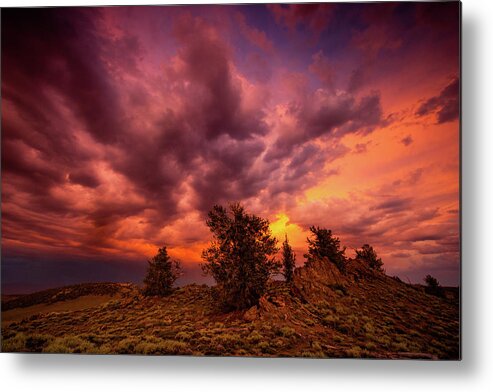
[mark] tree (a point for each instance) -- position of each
(162, 273)
(240, 255)
(433, 286)
(369, 256)
(324, 245)
(288, 260)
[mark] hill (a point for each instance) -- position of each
(325, 313)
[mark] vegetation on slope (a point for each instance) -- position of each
(324, 314)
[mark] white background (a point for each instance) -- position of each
(22, 372)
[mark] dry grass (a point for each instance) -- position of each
(378, 318)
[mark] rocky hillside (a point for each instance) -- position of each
(325, 313)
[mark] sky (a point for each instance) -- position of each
(123, 126)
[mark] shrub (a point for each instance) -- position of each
(324, 245)
(161, 274)
(228, 340)
(286, 332)
(265, 347)
(310, 354)
(338, 339)
(170, 347)
(183, 336)
(14, 344)
(239, 257)
(147, 348)
(316, 346)
(330, 321)
(369, 328)
(126, 346)
(35, 343)
(69, 344)
(401, 346)
(254, 337)
(354, 352)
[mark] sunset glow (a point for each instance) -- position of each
(123, 126)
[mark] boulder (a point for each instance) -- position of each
(318, 277)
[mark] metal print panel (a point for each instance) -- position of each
(271, 180)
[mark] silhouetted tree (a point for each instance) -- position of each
(323, 245)
(162, 273)
(369, 256)
(433, 286)
(288, 260)
(239, 256)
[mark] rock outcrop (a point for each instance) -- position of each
(318, 278)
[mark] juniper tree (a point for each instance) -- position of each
(369, 256)
(162, 273)
(240, 257)
(324, 245)
(288, 261)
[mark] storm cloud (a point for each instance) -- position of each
(122, 127)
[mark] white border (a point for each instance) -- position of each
(36, 373)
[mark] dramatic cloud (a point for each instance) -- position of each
(314, 16)
(322, 68)
(122, 127)
(253, 35)
(323, 114)
(444, 105)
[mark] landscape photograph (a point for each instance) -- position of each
(263, 180)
